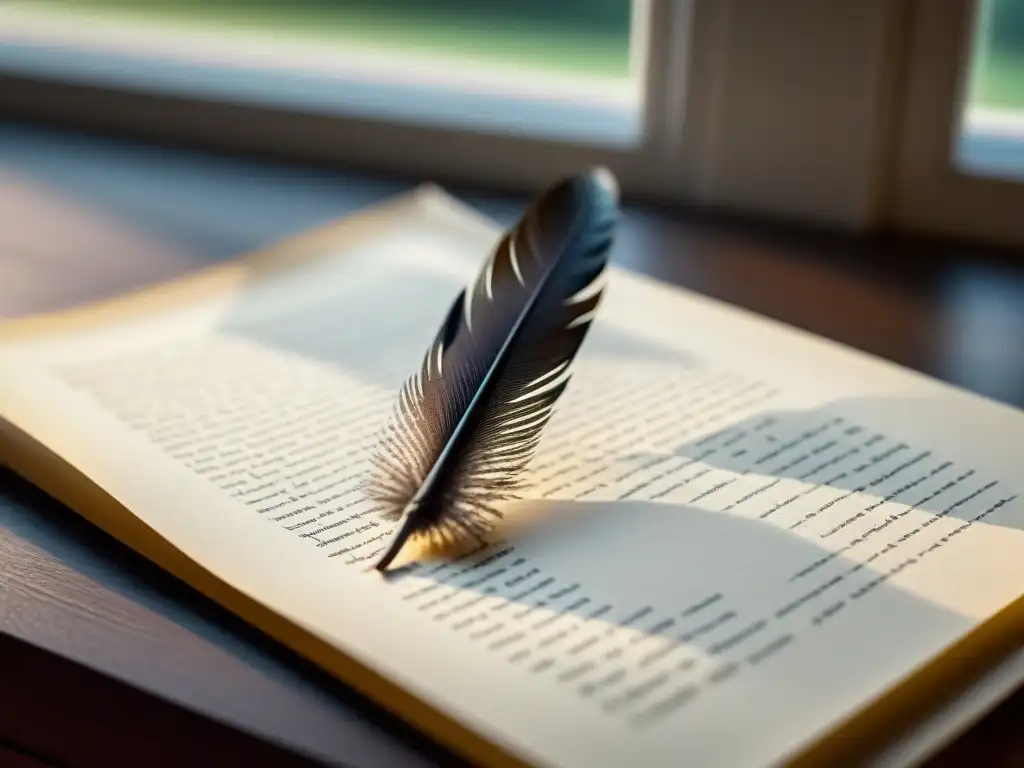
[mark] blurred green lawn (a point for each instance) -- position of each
(1000, 81)
(589, 37)
(997, 76)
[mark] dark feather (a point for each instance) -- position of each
(468, 422)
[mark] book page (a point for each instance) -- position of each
(735, 536)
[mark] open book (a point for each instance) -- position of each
(741, 545)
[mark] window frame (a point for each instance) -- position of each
(456, 152)
(741, 115)
(930, 193)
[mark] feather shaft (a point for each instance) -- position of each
(442, 468)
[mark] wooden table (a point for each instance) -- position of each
(106, 660)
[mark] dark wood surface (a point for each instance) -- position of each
(106, 660)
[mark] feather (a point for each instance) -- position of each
(467, 423)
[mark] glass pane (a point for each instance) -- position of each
(571, 68)
(991, 140)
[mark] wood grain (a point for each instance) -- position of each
(997, 741)
(74, 591)
(69, 715)
(12, 758)
(120, 660)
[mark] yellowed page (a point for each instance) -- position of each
(737, 535)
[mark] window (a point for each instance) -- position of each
(508, 93)
(568, 70)
(959, 150)
(991, 139)
(898, 113)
